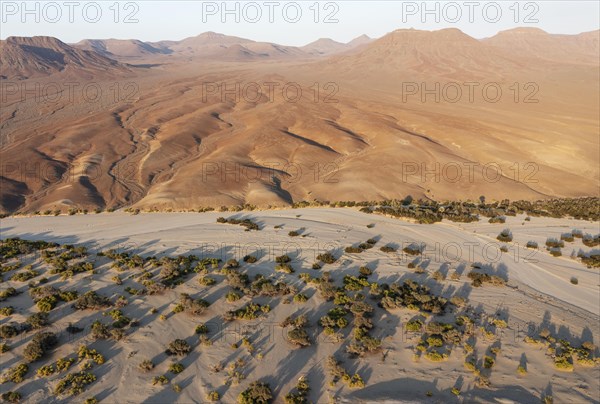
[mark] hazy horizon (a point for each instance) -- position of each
(340, 21)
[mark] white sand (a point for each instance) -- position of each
(539, 294)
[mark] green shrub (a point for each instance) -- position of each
(256, 393)
(40, 343)
(251, 259)
(91, 354)
(327, 258)
(574, 280)
(146, 365)
(213, 396)
(47, 303)
(74, 383)
(16, 374)
(286, 268)
(176, 368)
(45, 371)
(8, 331)
(11, 396)
(207, 281)
(365, 271)
(283, 259)
(178, 347)
(300, 298)
(38, 320)
(201, 329)
(414, 325)
(505, 236)
(64, 364)
(91, 301)
(7, 311)
(388, 249)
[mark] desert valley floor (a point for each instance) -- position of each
(514, 341)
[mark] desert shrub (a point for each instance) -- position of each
(91, 400)
(74, 383)
(256, 393)
(16, 374)
(232, 296)
(100, 330)
(478, 279)
(9, 292)
(68, 296)
(24, 276)
(435, 356)
(488, 362)
(568, 237)
(90, 354)
(554, 243)
(300, 298)
(497, 219)
(388, 249)
(435, 341)
(353, 250)
(7, 311)
(176, 368)
(294, 233)
(45, 371)
(8, 331)
(201, 329)
(178, 347)
(438, 276)
(213, 396)
(591, 241)
(298, 397)
(555, 252)
(251, 259)
(193, 306)
(40, 343)
(161, 380)
(37, 320)
(47, 303)
(365, 271)
(146, 365)
(286, 268)
(283, 259)
(316, 266)
(91, 301)
(414, 325)
(232, 264)
(247, 223)
(337, 372)
(505, 236)
(413, 249)
(237, 280)
(521, 370)
(327, 258)
(11, 396)
(532, 244)
(355, 284)
(64, 364)
(299, 336)
(4, 348)
(250, 311)
(207, 281)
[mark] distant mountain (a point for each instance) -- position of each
(443, 53)
(327, 47)
(324, 46)
(127, 48)
(527, 42)
(361, 40)
(25, 57)
(224, 47)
